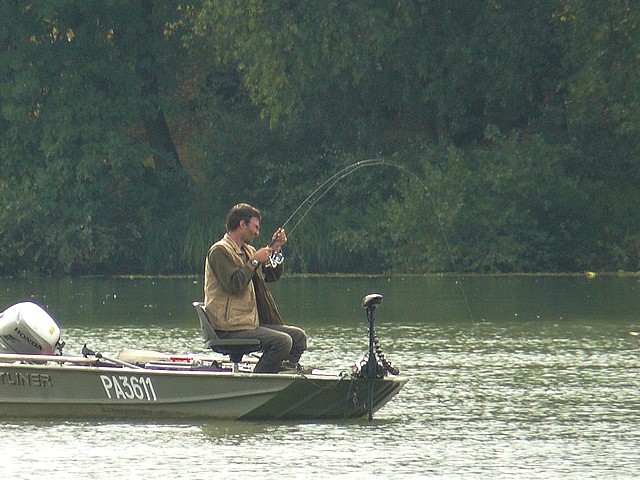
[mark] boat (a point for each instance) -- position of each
(37, 380)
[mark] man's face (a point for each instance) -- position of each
(250, 230)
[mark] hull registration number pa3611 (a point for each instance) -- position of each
(128, 387)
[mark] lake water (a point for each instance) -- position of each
(510, 377)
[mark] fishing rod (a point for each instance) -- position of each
(314, 197)
(277, 257)
(329, 183)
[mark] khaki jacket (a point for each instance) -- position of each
(236, 297)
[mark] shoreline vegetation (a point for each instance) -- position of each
(588, 275)
(510, 131)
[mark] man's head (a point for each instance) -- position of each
(246, 220)
(241, 212)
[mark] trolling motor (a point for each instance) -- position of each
(376, 360)
(376, 366)
(370, 303)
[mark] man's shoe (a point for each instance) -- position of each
(287, 365)
(294, 367)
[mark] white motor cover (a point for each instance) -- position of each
(26, 328)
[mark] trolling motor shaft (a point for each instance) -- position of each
(377, 366)
(370, 302)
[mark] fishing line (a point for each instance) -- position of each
(329, 183)
(345, 172)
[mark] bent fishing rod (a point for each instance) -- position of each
(322, 190)
(316, 195)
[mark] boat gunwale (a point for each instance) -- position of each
(96, 365)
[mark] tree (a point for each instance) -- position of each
(441, 70)
(603, 84)
(83, 107)
(127, 129)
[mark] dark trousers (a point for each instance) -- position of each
(277, 342)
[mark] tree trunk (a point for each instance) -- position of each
(165, 155)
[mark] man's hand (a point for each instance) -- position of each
(262, 255)
(278, 240)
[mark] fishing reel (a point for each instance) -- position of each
(275, 259)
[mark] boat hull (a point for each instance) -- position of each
(93, 391)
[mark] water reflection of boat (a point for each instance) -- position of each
(37, 380)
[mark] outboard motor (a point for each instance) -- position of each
(26, 328)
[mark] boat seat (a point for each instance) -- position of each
(235, 348)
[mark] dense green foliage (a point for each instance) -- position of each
(129, 128)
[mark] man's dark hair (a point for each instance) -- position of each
(241, 211)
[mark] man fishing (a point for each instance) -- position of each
(237, 301)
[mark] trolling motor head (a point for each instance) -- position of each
(371, 301)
